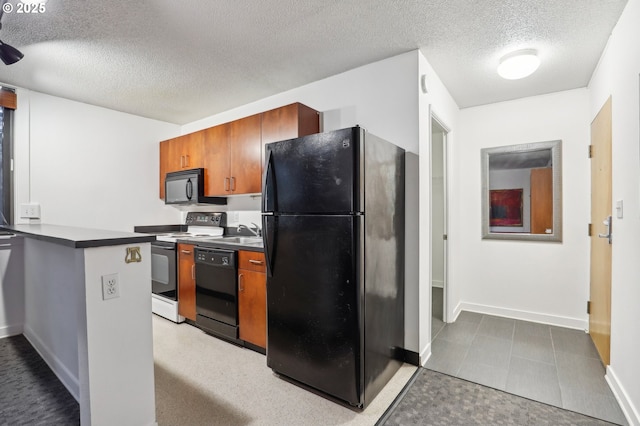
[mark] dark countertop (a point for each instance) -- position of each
(70, 236)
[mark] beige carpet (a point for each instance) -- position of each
(202, 380)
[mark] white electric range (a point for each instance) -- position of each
(164, 270)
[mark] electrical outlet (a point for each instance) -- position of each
(30, 211)
(110, 286)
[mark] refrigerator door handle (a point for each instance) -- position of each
(269, 187)
(269, 233)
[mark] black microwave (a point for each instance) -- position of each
(187, 187)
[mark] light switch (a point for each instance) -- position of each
(619, 209)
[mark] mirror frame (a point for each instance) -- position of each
(556, 158)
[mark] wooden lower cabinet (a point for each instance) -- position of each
(252, 298)
(186, 281)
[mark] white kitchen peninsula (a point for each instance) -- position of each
(101, 349)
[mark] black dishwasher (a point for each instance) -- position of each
(217, 292)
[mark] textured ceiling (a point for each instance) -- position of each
(179, 61)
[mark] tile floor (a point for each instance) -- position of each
(555, 365)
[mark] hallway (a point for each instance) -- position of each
(554, 365)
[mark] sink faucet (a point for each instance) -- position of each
(254, 229)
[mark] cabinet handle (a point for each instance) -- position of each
(240, 287)
(185, 251)
(233, 183)
(226, 184)
(182, 161)
(256, 262)
(187, 160)
(193, 271)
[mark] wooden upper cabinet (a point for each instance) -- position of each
(246, 159)
(181, 153)
(232, 153)
(288, 122)
(232, 157)
(217, 180)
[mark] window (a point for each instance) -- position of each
(7, 105)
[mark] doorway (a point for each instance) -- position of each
(601, 239)
(438, 191)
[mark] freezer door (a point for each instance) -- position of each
(314, 318)
(313, 174)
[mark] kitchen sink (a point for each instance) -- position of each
(241, 240)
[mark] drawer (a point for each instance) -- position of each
(251, 260)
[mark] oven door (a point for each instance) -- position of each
(163, 270)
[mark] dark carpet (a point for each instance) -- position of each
(30, 394)
(432, 398)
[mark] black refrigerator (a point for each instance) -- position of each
(333, 229)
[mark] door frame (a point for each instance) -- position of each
(433, 117)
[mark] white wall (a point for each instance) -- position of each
(437, 102)
(88, 166)
(537, 281)
(380, 97)
(618, 76)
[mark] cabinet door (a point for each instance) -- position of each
(186, 282)
(246, 159)
(252, 297)
(252, 307)
(181, 153)
(217, 181)
(185, 152)
(190, 148)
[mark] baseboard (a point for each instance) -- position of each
(59, 369)
(410, 357)
(455, 313)
(11, 330)
(628, 409)
(437, 283)
(560, 321)
(425, 355)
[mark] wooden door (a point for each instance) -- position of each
(600, 291)
(217, 181)
(245, 149)
(186, 282)
(542, 200)
(252, 298)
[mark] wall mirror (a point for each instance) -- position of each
(522, 192)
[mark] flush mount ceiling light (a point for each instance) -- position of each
(518, 64)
